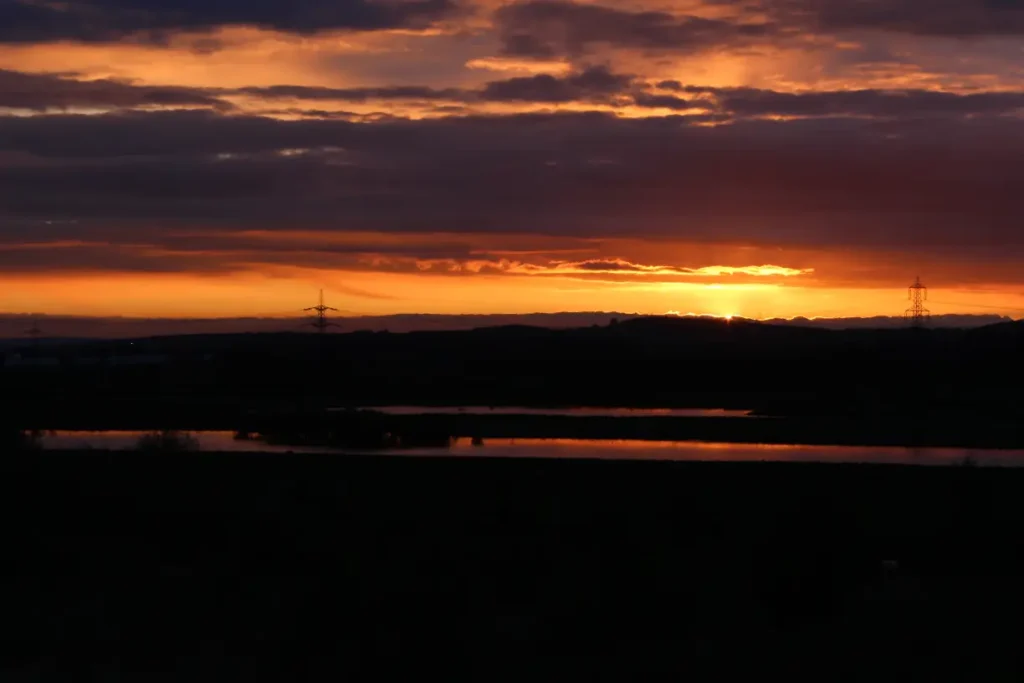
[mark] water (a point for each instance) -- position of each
(122, 440)
(577, 412)
(592, 448)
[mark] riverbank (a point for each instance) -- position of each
(952, 431)
(221, 567)
(311, 425)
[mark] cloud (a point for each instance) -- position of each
(547, 28)
(877, 103)
(592, 84)
(621, 266)
(355, 94)
(954, 18)
(655, 101)
(215, 253)
(595, 83)
(152, 21)
(211, 253)
(614, 269)
(836, 181)
(40, 92)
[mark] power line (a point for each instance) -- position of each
(995, 308)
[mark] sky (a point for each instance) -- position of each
(757, 158)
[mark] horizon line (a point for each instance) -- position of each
(667, 314)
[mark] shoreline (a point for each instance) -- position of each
(364, 429)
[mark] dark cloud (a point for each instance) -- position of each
(549, 28)
(674, 86)
(40, 92)
(211, 255)
(212, 252)
(54, 91)
(356, 94)
(317, 114)
(154, 20)
(664, 102)
(610, 265)
(161, 133)
(539, 28)
(877, 103)
(105, 258)
(592, 84)
(808, 182)
(595, 84)
(936, 17)
(543, 28)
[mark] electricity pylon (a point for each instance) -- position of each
(917, 314)
(321, 322)
(35, 333)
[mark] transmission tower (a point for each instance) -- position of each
(917, 314)
(321, 323)
(34, 333)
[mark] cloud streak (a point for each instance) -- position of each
(595, 85)
(152, 21)
(544, 29)
(835, 181)
(239, 252)
(41, 92)
(623, 267)
(958, 18)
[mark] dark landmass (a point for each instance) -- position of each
(13, 327)
(213, 567)
(881, 322)
(902, 386)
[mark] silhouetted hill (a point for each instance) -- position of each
(657, 361)
(1003, 334)
(887, 322)
(13, 327)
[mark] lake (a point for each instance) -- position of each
(590, 448)
(571, 412)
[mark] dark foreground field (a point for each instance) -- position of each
(286, 568)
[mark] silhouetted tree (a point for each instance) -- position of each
(14, 440)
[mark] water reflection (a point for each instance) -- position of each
(577, 412)
(591, 448)
(736, 452)
(127, 440)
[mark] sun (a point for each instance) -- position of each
(717, 316)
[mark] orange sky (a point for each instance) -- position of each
(756, 158)
(283, 294)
